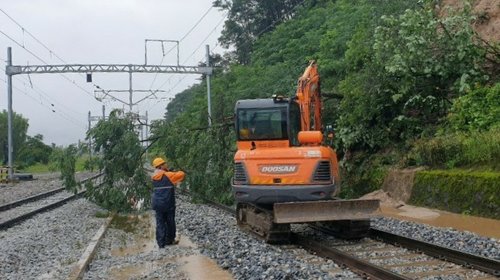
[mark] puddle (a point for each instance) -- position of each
(143, 235)
(482, 226)
(194, 266)
(140, 246)
(200, 267)
(130, 271)
(130, 223)
(186, 242)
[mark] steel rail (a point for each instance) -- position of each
(9, 223)
(40, 195)
(490, 266)
(361, 267)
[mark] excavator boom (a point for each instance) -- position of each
(309, 98)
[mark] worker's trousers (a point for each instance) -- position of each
(165, 227)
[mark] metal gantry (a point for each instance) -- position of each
(11, 70)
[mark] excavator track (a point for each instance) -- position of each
(260, 222)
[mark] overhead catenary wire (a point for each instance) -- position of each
(32, 36)
(41, 92)
(51, 52)
(67, 118)
(183, 37)
(245, 42)
(43, 61)
(196, 49)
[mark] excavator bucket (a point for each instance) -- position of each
(325, 210)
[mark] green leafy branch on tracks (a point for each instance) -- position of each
(120, 159)
(65, 160)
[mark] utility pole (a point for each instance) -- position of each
(130, 91)
(9, 115)
(90, 139)
(208, 89)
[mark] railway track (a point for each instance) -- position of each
(20, 210)
(387, 255)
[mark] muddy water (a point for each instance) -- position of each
(194, 266)
(482, 226)
(200, 267)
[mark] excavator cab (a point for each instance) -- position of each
(268, 120)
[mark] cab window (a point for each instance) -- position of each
(262, 124)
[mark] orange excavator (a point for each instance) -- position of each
(285, 173)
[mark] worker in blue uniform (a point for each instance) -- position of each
(163, 201)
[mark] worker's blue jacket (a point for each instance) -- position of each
(163, 189)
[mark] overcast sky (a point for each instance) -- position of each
(94, 32)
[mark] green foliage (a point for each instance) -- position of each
(461, 149)
(248, 20)
(458, 191)
(121, 162)
(34, 151)
(401, 84)
(478, 109)
(390, 71)
(20, 127)
(363, 173)
(65, 160)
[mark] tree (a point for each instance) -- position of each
(19, 129)
(34, 150)
(121, 161)
(247, 20)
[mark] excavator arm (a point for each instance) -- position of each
(309, 98)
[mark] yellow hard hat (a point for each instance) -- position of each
(244, 133)
(158, 161)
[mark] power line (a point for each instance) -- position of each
(40, 91)
(51, 52)
(67, 118)
(217, 45)
(183, 37)
(197, 48)
(206, 38)
(36, 56)
(196, 24)
(32, 36)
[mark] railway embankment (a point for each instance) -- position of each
(464, 192)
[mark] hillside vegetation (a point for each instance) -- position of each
(404, 83)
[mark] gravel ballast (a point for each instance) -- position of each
(47, 245)
(131, 253)
(42, 183)
(458, 240)
(248, 257)
(216, 236)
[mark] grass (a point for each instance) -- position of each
(38, 168)
(464, 150)
(45, 168)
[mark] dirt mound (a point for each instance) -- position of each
(385, 198)
(399, 183)
(488, 17)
